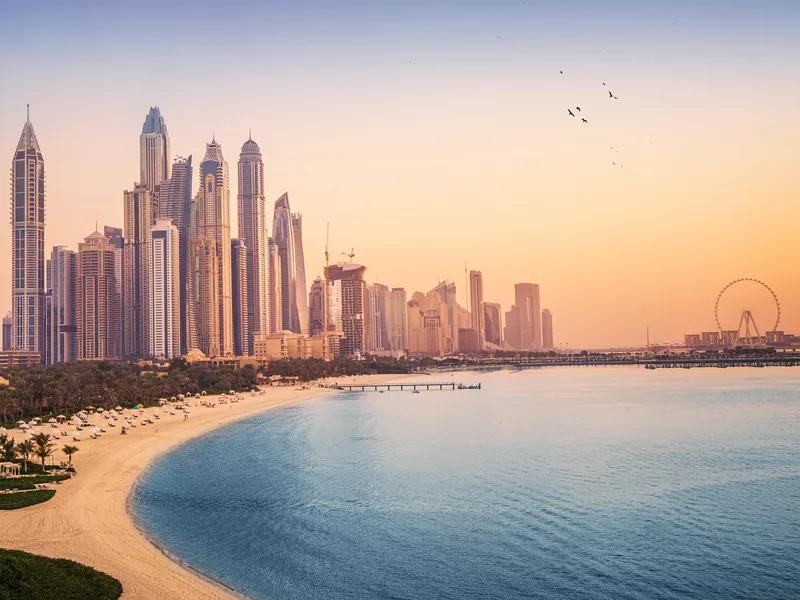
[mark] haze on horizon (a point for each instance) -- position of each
(433, 133)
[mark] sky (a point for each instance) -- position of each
(434, 134)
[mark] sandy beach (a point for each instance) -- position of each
(88, 519)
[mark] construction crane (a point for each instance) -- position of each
(327, 256)
(351, 255)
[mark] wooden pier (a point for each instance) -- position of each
(401, 387)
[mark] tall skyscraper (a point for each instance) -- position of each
(175, 203)
(398, 321)
(274, 289)
(136, 296)
(165, 296)
(253, 231)
(287, 229)
(429, 327)
(27, 243)
(493, 328)
(97, 299)
(526, 298)
(241, 294)
(317, 303)
(512, 334)
(154, 150)
(206, 300)
(371, 317)
(547, 330)
(349, 306)
(213, 224)
(7, 327)
(447, 293)
(476, 307)
(63, 285)
(117, 241)
(47, 324)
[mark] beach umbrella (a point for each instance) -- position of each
(52, 421)
(101, 409)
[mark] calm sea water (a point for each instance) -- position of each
(596, 483)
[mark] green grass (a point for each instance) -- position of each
(23, 499)
(29, 483)
(26, 576)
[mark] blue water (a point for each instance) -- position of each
(594, 483)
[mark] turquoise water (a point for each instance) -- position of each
(582, 483)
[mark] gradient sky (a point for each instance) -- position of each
(434, 133)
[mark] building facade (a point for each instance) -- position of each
(349, 299)
(476, 308)
(317, 303)
(287, 229)
(206, 300)
(138, 214)
(63, 286)
(252, 206)
(154, 150)
(241, 293)
(493, 327)
(164, 305)
(398, 321)
(526, 299)
(96, 299)
(7, 327)
(27, 243)
(547, 330)
(274, 290)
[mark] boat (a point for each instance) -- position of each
(651, 367)
(415, 391)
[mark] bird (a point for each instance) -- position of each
(604, 83)
(610, 95)
(613, 163)
(571, 114)
(578, 108)
(615, 98)
(562, 72)
(584, 120)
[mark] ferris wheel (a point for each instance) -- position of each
(747, 332)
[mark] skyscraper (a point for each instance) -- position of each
(349, 306)
(27, 249)
(97, 299)
(526, 298)
(7, 327)
(241, 293)
(287, 229)
(136, 296)
(317, 303)
(512, 334)
(253, 231)
(154, 150)
(398, 321)
(493, 329)
(476, 307)
(206, 300)
(213, 224)
(547, 330)
(165, 297)
(117, 241)
(274, 291)
(63, 285)
(447, 294)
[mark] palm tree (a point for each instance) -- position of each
(7, 448)
(44, 447)
(25, 449)
(69, 451)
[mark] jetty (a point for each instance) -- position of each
(395, 387)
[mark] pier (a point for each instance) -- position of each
(390, 387)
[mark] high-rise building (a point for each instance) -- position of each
(287, 229)
(317, 303)
(476, 307)
(7, 327)
(47, 324)
(241, 293)
(493, 327)
(429, 327)
(398, 321)
(274, 290)
(526, 298)
(349, 306)
(213, 223)
(96, 299)
(63, 285)
(547, 330)
(253, 231)
(175, 203)
(117, 240)
(27, 248)
(447, 293)
(377, 318)
(165, 296)
(512, 334)
(136, 275)
(206, 300)
(154, 150)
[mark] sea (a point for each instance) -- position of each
(547, 483)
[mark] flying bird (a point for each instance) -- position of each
(615, 98)
(610, 95)
(562, 72)
(604, 83)
(584, 120)
(578, 108)
(571, 114)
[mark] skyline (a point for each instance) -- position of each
(648, 245)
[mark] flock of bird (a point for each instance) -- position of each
(611, 96)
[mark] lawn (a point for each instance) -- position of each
(23, 499)
(26, 576)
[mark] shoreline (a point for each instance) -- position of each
(89, 519)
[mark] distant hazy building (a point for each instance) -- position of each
(7, 332)
(253, 231)
(377, 318)
(476, 308)
(241, 292)
(526, 299)
(349, 306)
(729, 338)
(398, 321)
(213, 225)
(691, 340)
(96, 299)
(138, 220)
(512, 333)
(165, 296)
(63, 285)
(274, 290)
(47, 324)
(710, 338)
(117, 241)
(27, 246)
(175, 203)
(429, 327)
(447, 293)
(547, 330)
(317, 304)
(468, 340)
(154, 150)
(287, 230)
(206, 295)
(493, 328)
